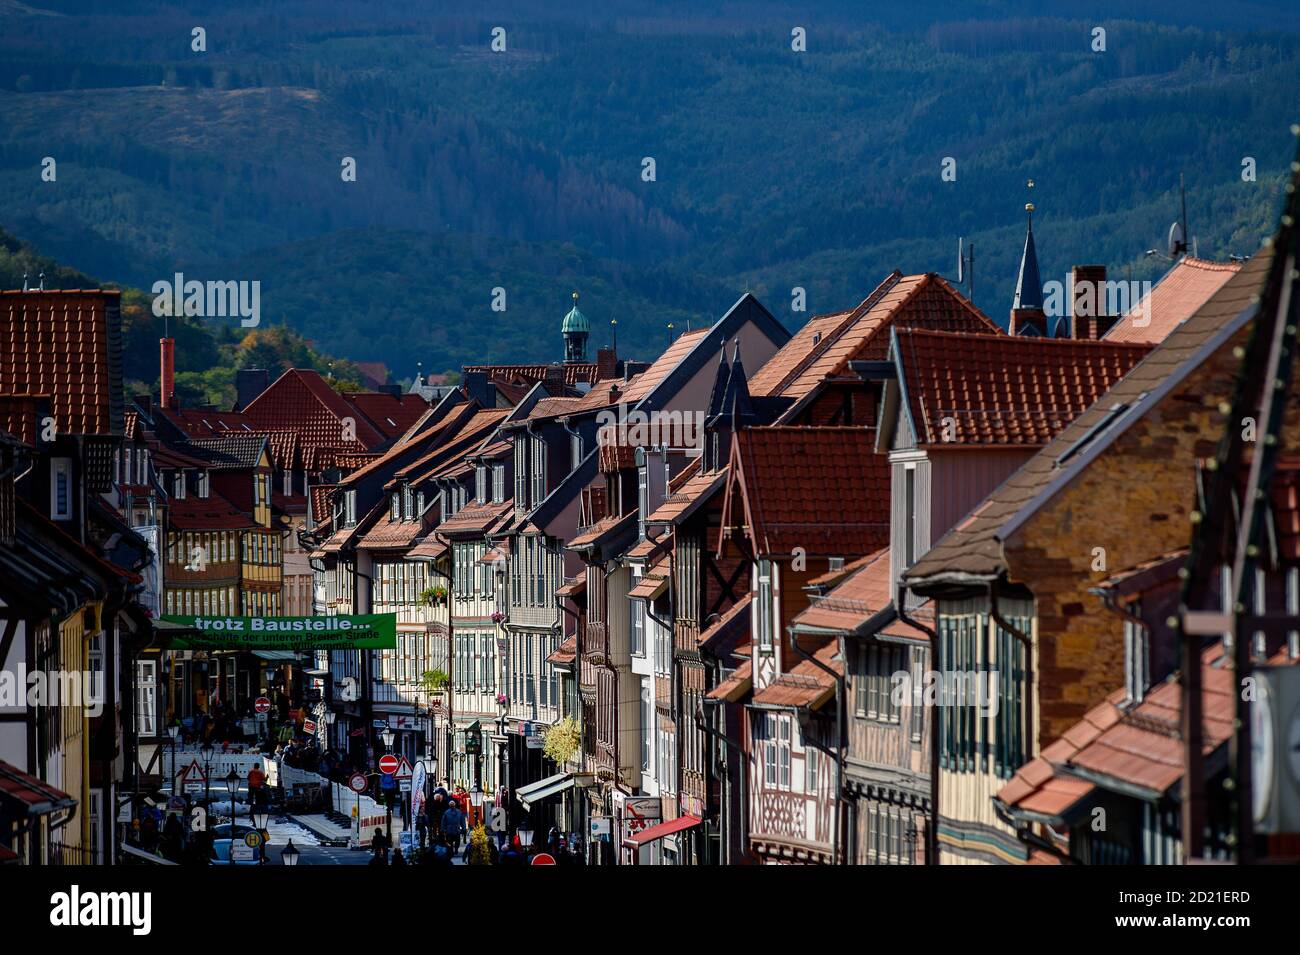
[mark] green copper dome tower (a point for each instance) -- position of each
(575, 330)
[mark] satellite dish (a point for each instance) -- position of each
(961, 263)
(1177, 241)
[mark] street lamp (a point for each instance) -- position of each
(206, 751)
(232, 787)
(525, 832)
(387, 737)
(289, 855)
(259, 823)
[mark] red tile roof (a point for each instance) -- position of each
(304, 401)
(825, 350)
(824, 490)
(663, 366)
(475, 518)
(1135, 747)
(532, 374)
(387, 533)
(392, 415)
(695, 488)
(804, 684)
(974, 546)
(565, 653)
(66, 345)
(432, 546)
(20, 416)
(985, 391)
(1175, 298)
(193, 513)
(734, 686)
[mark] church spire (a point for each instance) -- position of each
(1027, 316)
(575, 330)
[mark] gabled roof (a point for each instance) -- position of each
(823, 490)
(571, 374)
(986, 391)
(824, 347)
(302, 400)
(1175, 298)
(974, 546)
(683, 502)
(67, 345)
(475, 518)
(663, 365)
(206, 422)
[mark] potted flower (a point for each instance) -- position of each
(497, 616)
(435, 681)
(434, 596)
(502, 700)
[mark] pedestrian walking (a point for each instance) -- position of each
(397, 857)
(453, 826)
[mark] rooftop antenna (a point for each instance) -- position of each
(613, 331)
(670, 333)
(966, 267)
(1178, 231)
(25, 285)
(42, 280)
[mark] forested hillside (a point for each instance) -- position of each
(524, 169)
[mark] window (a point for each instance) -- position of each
(350, 508)
(408, 503)
(765, 606)
(909, 518)
(883, 661)
(146, 697)
(642, 497)
(1137, 675)
(521, 470)
(810, 759)
(395, 507)
(205, 483)
(480, 483)
(61, 489)
(178, 486)
(636, 626)
(498, 483)
(538, 455)
(647, 725)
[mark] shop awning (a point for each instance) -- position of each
(551, 786)
(662, 829)
(29, 795)
(283, 656)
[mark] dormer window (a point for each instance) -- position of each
(142, 467)
(204, 484)
(419, 504)
(395, 508)
(480, 484)
(350, 508)
(288, 482)
(408, 503)
(498, 483)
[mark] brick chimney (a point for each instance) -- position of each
(167, 378)
(1088, 318)
(606, 363)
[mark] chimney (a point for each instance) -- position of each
(1088, 303)
(554, 379)
(249, 383)
(606, 363)
(167, 380)
(479, 388)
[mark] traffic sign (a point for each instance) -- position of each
(357, 783)
(404, 769)
(543, 858)
(261, 705)
(388, 763)
(309, 727)
(387, 781)
(253, 839)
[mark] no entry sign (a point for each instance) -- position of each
(261, 705)
(357, 783)
(543, 858)
(389, 763)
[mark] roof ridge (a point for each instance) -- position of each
(851, 318)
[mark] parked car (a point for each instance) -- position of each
(221, 842)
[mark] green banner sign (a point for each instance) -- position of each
(374, 631)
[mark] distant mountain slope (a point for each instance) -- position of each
(774, 170)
